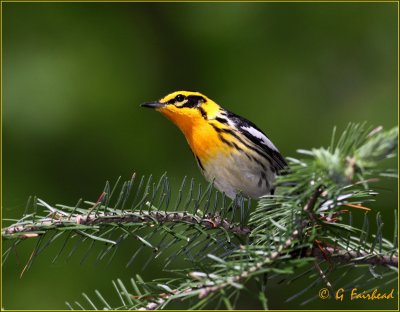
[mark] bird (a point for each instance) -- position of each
(231, 151)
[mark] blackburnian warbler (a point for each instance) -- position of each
(230, 150)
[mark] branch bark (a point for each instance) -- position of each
(360, 257)
(25, 230)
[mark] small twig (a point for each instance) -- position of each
(309, 206)
(313, 200)
(345, 256)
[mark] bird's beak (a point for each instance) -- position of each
(154, 105)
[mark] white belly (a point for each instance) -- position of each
(236, 173)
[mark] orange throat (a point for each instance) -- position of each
(201, 136)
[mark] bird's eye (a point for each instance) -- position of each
(179, 98)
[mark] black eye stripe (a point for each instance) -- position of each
(193, 101)
(189, 101)
(179, 98)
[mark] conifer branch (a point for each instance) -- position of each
(60, 221)
(29, 230)
(227, 244)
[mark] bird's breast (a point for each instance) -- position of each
(205, 142)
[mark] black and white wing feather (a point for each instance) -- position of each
(255, 135)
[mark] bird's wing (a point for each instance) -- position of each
(255, 135)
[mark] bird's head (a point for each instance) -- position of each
(185, 108)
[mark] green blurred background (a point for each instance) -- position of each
(74, 75)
